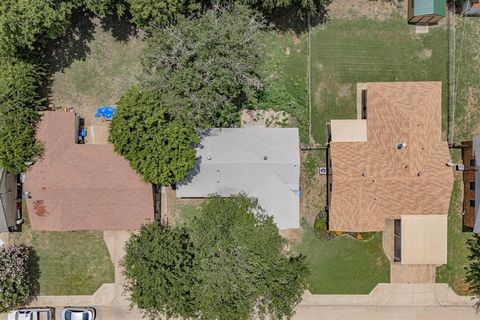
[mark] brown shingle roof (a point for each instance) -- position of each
(413, 180)
(83, 187)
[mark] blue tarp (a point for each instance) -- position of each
(106, 111)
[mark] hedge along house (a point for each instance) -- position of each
(425, 12)
(387, 170)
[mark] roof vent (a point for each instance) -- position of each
(401, 145)
(265, 158)
(209, 157)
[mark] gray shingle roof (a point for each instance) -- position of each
(261, 162)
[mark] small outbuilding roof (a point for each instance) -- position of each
(83, 186)
(429, 7)
(424, 239)
(261, 162)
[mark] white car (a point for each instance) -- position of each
(32, 314)
(77, 313)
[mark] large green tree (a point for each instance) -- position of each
(158, 145)
(226, 263)
(159, 267)
(209, 65)
(26, 23)
(19, 102)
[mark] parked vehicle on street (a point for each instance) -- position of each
(32, 314)
(77, 313)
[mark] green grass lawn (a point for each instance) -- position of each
(285, 73)
(467, 113)
(467, 124)
(343, 265)
(346, 52)
(453, 272)
(70, 263)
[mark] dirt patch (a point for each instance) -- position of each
(313, 186)
(375, 10)
(461, 287)
(265, 118)
(293, 236)
(425, 54)
(344, 90)
(296, 39)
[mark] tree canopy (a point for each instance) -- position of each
(19, 102)
(227, 263)
(158, 145)
(209, 65)
(159, 263)
(103, 8)
(24, 23)
(15, 277)
(154, 13)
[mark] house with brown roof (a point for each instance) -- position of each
(83, 186)
(391, 164)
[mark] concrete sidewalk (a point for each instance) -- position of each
(389, 301)
(394, 294)
(384, 313)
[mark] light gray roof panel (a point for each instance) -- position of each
(232, 160)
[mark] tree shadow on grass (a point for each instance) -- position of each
(289, 19)
(73, 45)
(120, 27)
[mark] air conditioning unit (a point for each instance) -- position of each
(322, 171)
(460, 167)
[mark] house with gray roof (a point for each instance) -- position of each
(260, 162)
(8, 201)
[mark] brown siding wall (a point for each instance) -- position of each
(410, 9)
(468, 176)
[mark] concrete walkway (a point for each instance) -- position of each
(389, 301)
